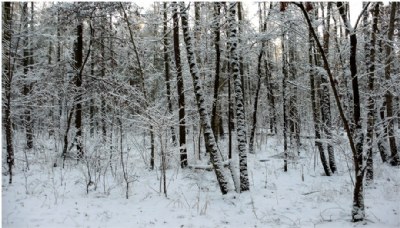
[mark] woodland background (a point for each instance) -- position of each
(114, 94)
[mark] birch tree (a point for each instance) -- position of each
(210, 143)
(240, 115)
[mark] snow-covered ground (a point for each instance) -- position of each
(47, 196)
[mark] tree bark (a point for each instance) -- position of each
(7, 80)
(210, 143)
(370, 45)
(181, 94)
(259, 72)
(394, 156)
(215, 118)
(316, 107)
(284, 103)
(358, 211)
(379, 113)
(325, 101)
(167, 69)
(240, 115)
(27, 65)
(78, 84)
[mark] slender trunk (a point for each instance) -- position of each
(271, 95)
(78, 84)
(27, 61)
(142, 81)
(379, 113)
(254, 124)
(66, 142)
(92, 100)
(241, 65)
(293, 117)
(210, 143)
(284, 103)
(179, 85)
(103, 105)
(259, 72)
(358, 211)
(315, 85)
(217, 37)
(325, 101)
(231, 123)
(370, 44)
(167, 69)
(394, 156)
(7, 80)
(316, 113)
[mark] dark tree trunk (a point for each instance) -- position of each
(27, 65)
(78, 84)
(181, 94)
(394, 156)
(316, 107)
(215, 118)
(7, 80)
(271, 95)
(358, 211)
(167, 69)
(284, 103)
(259, 72)
(325, 101)
(254, 124)
(92, 106)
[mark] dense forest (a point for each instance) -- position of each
(106, 88)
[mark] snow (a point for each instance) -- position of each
(47, 196)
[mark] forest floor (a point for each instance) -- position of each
(47, 196)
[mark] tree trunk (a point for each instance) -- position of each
(215, 118)
(394, 156)
(284, 103)
(142, 84)
(240, 115)
(325, 101)
(293, 117)
(210, 143)
(370, 45)
(358, 211)
(181, 94)
(27, 65)
(167, 69)
(380, 113)
(78, 84)
(241, 65)
(259, 72)
(254, 124)
(316, 107)
(7, 80)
